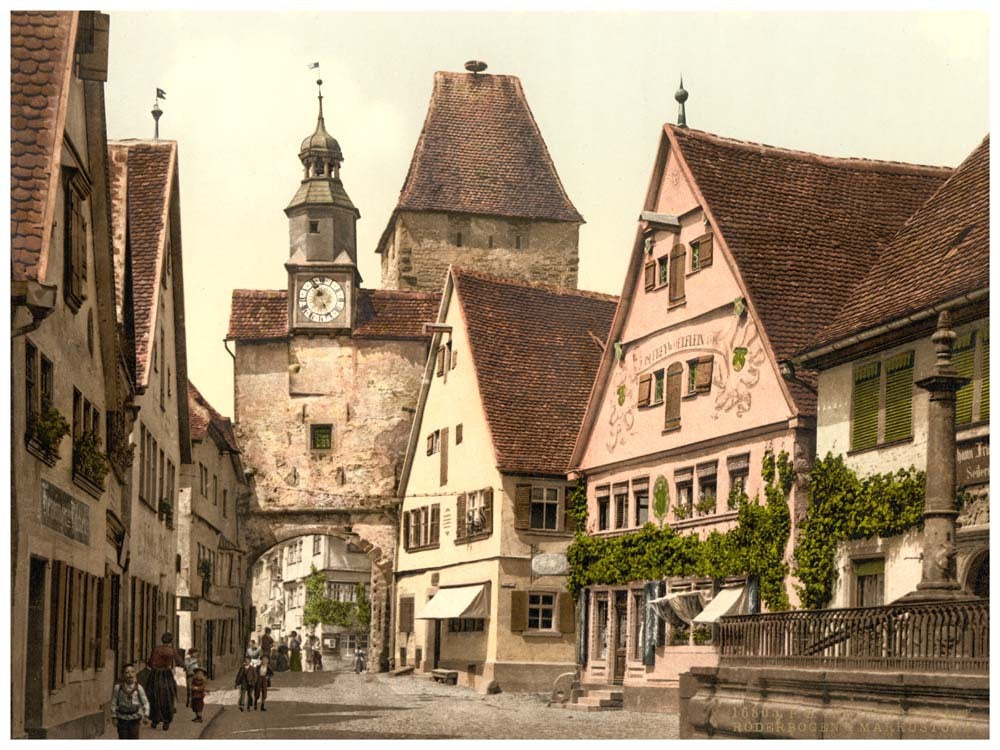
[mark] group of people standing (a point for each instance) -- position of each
(151, 694)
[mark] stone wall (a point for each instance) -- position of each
(788, 703)
(423, 245)
(367, 391)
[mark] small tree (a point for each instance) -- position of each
(319, 607)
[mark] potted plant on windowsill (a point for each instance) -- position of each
(705, 506)
(681, 512)
(46, 430)
(205, 571)
(90, 463)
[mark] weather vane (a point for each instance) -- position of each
(157, 112)
(319, 85)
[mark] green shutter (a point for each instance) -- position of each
(964, 360)
(984, 395)
(864, 406)
(898, 397)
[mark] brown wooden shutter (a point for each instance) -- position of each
(406, 529)
(406, 614)
(435, 523)
(567, 613)
(57, 624)
(430, 444)
(569, 524)
(672, 397)
(703, 375)
(460, 518)
(522, 506)
(678, 265)
(488, 508)
(518, 611)
(650, 275)
(705, 251)
(645, 382)
(440, 361)
(444, 456)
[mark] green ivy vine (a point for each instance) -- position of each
(755, 546)
(844, 507)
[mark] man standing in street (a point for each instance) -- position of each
(266, 643)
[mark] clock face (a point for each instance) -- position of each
(321, 299)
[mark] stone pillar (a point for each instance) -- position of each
(938, 580)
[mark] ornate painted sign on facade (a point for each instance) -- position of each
(550, 564)
(64, 513)
(973, 462)
(737, 357)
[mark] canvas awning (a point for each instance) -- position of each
(726, 602)
(684, 605)
(461, 601)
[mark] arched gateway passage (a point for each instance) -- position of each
(372, 532)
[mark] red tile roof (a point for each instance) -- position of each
(39, 66)
(480, 151)
(942, 252)
(150, 170)
(802, 228)
(382, 314)
(202, 415)
(535, 354)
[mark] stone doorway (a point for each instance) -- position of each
(35, 647)
(977, 579)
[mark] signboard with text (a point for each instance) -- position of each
(64, 513)
(972, 462)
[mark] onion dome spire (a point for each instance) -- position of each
(320, 153)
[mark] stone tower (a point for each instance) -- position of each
(481, 192)
(323, 276)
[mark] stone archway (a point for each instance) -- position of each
(977, 574)
(373, 532)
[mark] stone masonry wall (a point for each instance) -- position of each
(423, 245)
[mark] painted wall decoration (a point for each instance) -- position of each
(738, 356)
(661, 498)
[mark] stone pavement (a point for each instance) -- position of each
(343, 705)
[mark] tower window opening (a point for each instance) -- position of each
(458, 239)
(490, 242)
(517, 242)
(313, 227)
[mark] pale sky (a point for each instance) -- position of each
(240, 99)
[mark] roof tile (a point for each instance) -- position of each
(536, 356)
(35, 92)
(202, 414)
(942, 252)
(480, 151)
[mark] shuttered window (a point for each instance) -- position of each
(672, 416)
(677, 264)
(899, 397)
(864, 406)
(405, 614)
(645, 386)
(649, 276)
(460, 518)
(964, 361)
(444, 456)
(522, 506)
(435, 524)
(984, 393)
(406, 530)
(440, 361)
(702, 374)
(518, 611)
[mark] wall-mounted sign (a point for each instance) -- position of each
(187, 604)
(973, 462)
(554, 564)
(64, 513)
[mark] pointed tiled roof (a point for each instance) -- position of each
(39, 66)
(203, 415)
(260, 314)
(150, 170)
(480, 151)
(536, 350)
(802, 228)
(942, 252)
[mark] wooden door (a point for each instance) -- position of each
(620, 635)
(437, 643)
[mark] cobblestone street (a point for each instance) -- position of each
(343, 705)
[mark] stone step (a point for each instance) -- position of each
(599, 702)
(585, 707)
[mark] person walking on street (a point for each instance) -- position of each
(190, 665)
(246, 681)
(199, 690)
(316, 654)
(253, 653)
(295, 647)
(161, 689)
(359, 661)
(266, 643)
(264, 674)
(129, 706)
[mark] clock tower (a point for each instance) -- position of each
(323, 277)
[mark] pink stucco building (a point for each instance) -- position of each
(742, 251)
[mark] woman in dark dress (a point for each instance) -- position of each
(161, 689)
(295, 647)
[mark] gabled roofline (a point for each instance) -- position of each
(668, 142)
(60, 127)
